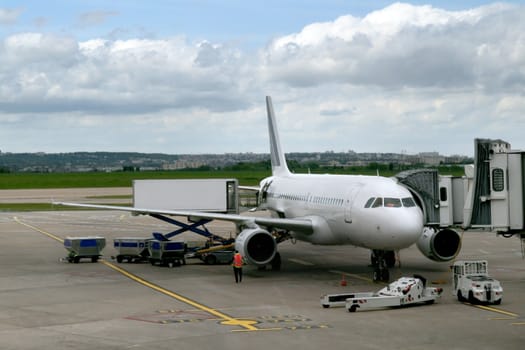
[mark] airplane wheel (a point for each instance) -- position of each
(390, 258)
(385, 275)
(377, 275)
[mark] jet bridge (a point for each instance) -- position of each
(489, 197)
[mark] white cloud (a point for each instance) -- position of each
(9, 16)
(392, 73)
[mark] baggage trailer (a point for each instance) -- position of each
(404, 291)
(132, 249)
(167, 253)
(89, 247)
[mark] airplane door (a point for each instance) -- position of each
(351, 194)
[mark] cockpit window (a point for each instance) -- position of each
(392, 202)
(378, 203)
(369, 202)
(408, 202)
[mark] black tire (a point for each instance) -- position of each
(119, 259)
(376, 276)
(326, 306)
(471, 298)
(353, 308)
(390, 258)
(460, 296)
(385, 275)
(497, 302)
(94, 259)
(76, 259)
(210, 260)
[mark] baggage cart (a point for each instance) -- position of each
(132, 249)
(89, 247)
(167, 253)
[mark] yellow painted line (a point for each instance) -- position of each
(50, 235)
(493, 309)
(227, 320)
(518, 324)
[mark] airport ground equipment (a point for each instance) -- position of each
(89, 247)
(490, 197)
(402, 292)
(209, 195)
(201, 195)
(167, 253)
(218, 256)
(472, 283)
(132, 249)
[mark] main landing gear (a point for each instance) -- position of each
(381, 261)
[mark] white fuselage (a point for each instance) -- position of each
(337, 205)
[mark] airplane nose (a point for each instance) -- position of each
(404, 228)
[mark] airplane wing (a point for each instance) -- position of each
(304, 225)
(249, 188)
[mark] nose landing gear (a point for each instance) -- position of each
(381, 261)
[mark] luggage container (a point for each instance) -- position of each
(132, 249)
(167, 253)
(84, 247)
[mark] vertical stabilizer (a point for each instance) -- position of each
(279, 167)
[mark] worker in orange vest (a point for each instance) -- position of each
(237, 266)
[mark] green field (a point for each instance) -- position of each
(115, 179)
(248, 177)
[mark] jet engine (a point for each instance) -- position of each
(439, 245)
(256, 245)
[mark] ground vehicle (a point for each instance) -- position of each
(217, 257)
(131, 248)
(472, 282)
(89, 247)
(404, 291)
(167, 253)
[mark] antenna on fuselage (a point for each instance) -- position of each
(279, 167)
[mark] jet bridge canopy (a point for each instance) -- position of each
(423, 183)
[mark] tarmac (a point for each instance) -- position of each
(46, 303)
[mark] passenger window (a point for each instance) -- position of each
(378, 203)
(498, 181)
(443, 194)
(392, 202)
(408, 202)
(369, 202)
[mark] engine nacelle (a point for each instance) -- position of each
(441, 245)
(256, 245)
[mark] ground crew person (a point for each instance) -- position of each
(237, 266)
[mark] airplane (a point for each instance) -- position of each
(371, 212)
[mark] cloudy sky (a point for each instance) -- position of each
(190, 76)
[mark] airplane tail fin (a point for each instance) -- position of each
(279, 167)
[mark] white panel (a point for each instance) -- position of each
(201, 195)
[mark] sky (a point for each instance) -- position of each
(185, 76)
